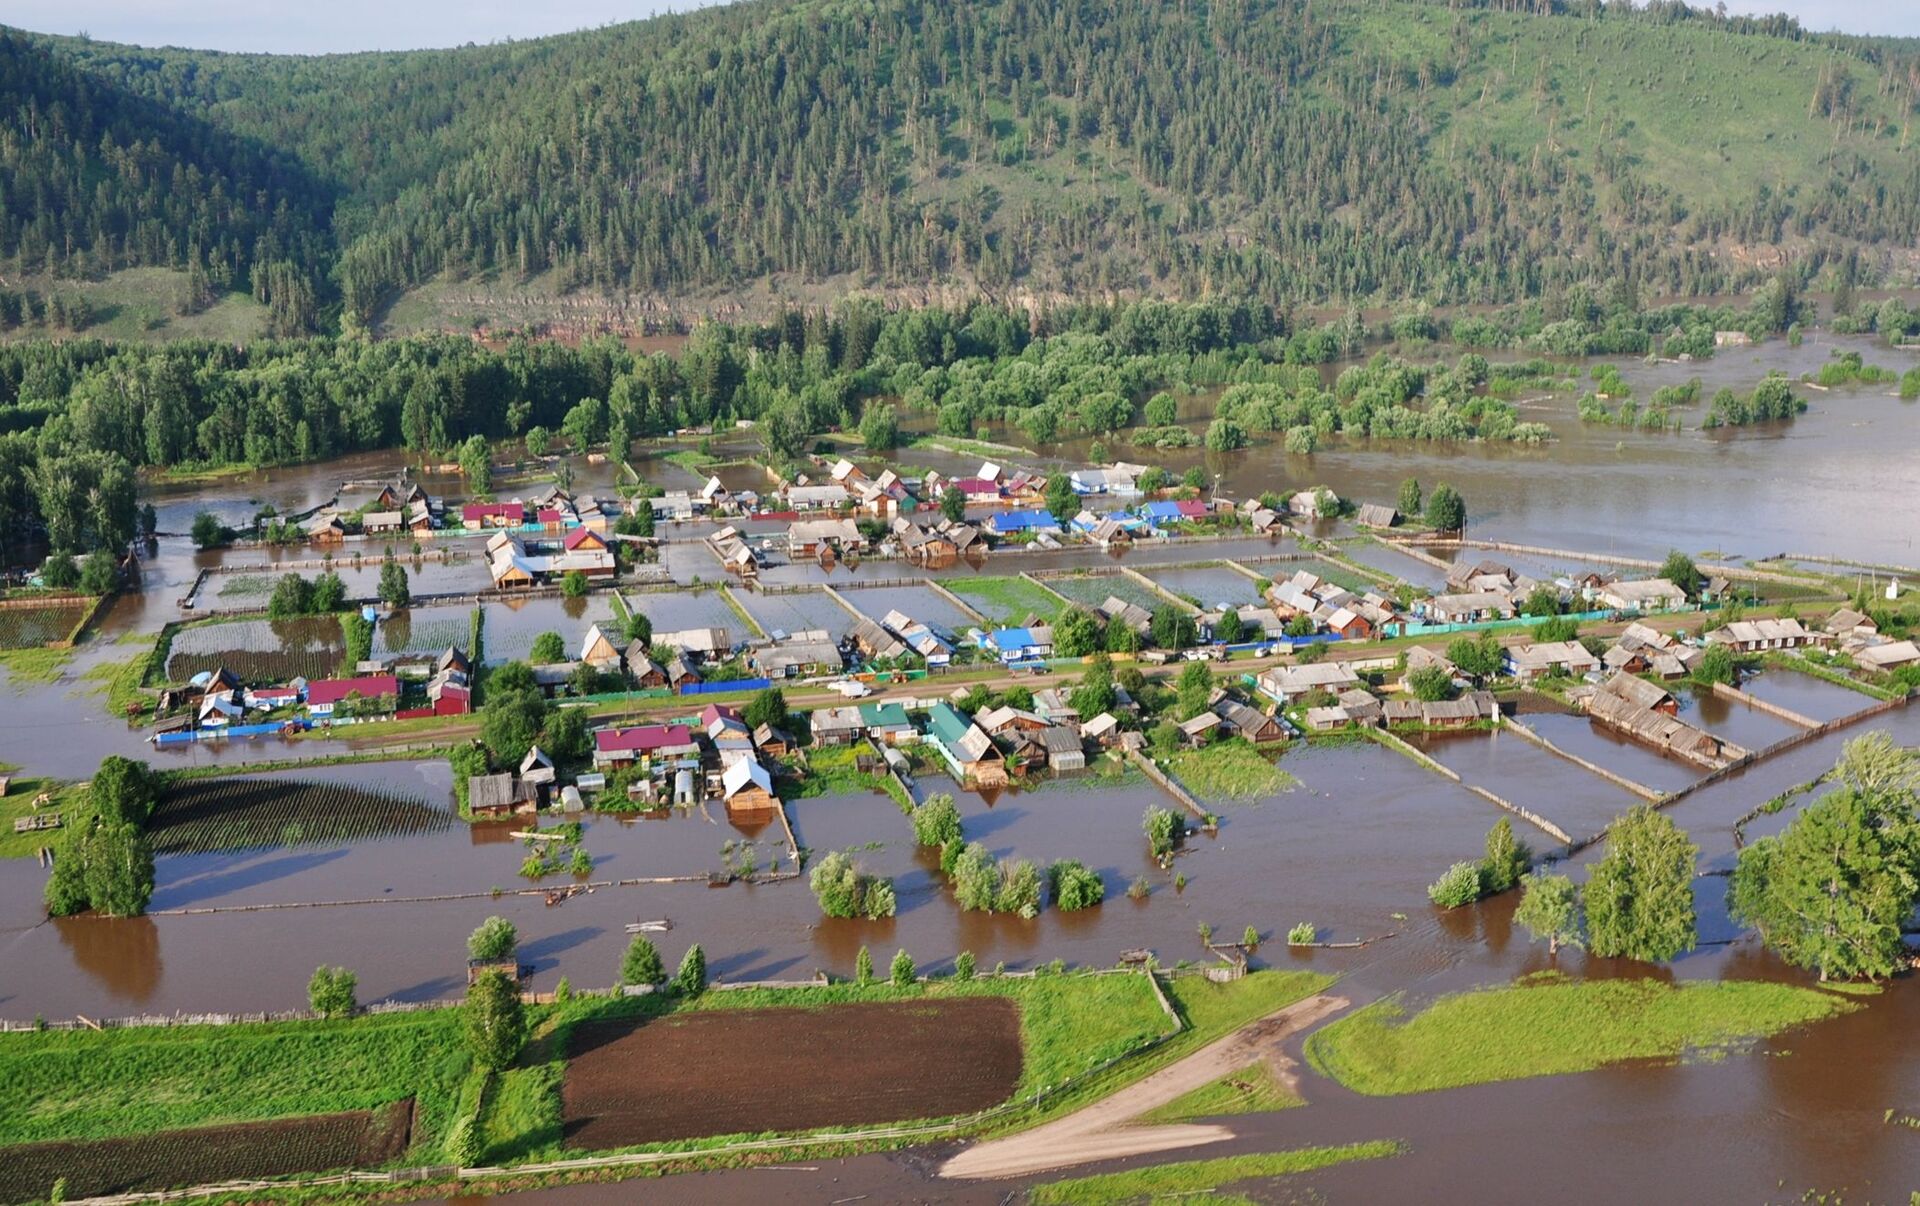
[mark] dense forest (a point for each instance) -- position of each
(1282, 150)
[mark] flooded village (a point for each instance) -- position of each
(731, 677)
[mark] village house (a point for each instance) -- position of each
(1132, 615)
(923, 546)
(1887, 655)
(1468, 710)
(1287, 683)
(886, 724)
(1641, 650)
(642, 669)
(1641, 693)
(325, 696)
(680, 673)
(1103, 730)
(874, 642)
(747, 789)
(644, 743)
(597, 649)
(1617, 710)
(968, 752)
(696, 642)
(978, 491)
(1377, 515)
(770, 742)
(1054, 747)
(1472, 607)
(829, 497)
(536, 769)
(1250, 723)
(808, 537)
(1019, 644)
(1109, 533)
(837, 726)
(326, 528)
(930, 645)
(1197, 731)
(1348, 624)
(1529, 663)
(1001, 721)
(382, 523)
(1756, 636)
(498, 796)
(1847, 624)
(1362, 706)
(1019, 523)
(475, 516)
(1647, 594)
(1053, 704)
(800, 655)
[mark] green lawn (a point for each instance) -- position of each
(1550, 1025)
(1004, 600)
(69, 800)
(1251, 1090)
(1164, 1182)
(87, 1084)
(1231, 771)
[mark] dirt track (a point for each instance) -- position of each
(1100, 1131)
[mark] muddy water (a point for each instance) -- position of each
(801, 612)
(512, 625)
(1399, 564)
(1741, 723)
(675, 611)
(1523, 773)
(1622, 755)
(918, 602)
(1814, 698)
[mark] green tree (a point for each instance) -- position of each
(902, 971)
(1121, 637)
(573, 584)
(642, 964)
(1095, 694)
(123, 791)
(1550, 909)
(1461, 885)
(1430, 683)
(330, 993)
(496, 1022)
(953, 504)
(1410, 504)
(60, 572)
(843, 890)
(539, 439)
(476, 462)
(863, 967)
(1478, 658)
(1163, 830)
(643, 518)
(494, 938)
(99, 573)
(640, 628)
(1225, 435)
(936, 821)
(963, 966)
(1507, 858)
(1679, 569)
(1076, 632)
(1062, 502)
(208, 531)
(1831, 893)
(292, 596)
(1161, 410)
(1073, 885)
(1639, 897)
(329, 593)
(1446, 510)
(769, 707)
(394, 589)
(880, 427)
(1172, 628)
(691, 979)
(1227, 629)
(107, 867)
(1717, 665)
(1195, 687)
(547, 649)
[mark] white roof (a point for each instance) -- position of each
(736, 777)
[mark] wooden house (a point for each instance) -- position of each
(747, 790)
(1250, 722)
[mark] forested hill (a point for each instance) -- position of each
(1289, 150)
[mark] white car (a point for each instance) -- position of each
(851, 688)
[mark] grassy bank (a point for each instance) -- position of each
(1230, 771)
(1159, 1182)
(1251, 1090)
(70, 800)
(32, 667)
(1549, 1025)
(81, 1084)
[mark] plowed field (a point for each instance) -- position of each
(316, 1143)
(744, 1071)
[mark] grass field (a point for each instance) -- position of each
(136, 305)
(1004, 600)
(1251, 1090)
(1549, 1025)
(69, 800)
(1230, 771)
(28, 667)
(89, 1085)
(1200, 1178)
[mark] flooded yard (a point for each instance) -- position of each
(1814, 698)
(798, 612)
(512, 625)
(676, 611)
(921, 603)
(1740, 723)
(1615, 751)
(1517, 770)
(1213, 586)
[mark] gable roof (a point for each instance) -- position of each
(642, 739)
(370, 686)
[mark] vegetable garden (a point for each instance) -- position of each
(425, 630)
(259, 651)
(238, 813)
(34, 627)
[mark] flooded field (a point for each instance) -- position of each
(1617, 752)
(512, 625)
(1814, 698)
(423, 630)
(918, 602)
(1093, 589)
(799, 612)
(675, 611)
(1400, 565)
(1740, 723)
(259, 651)
(1523, 773)
(1213, 586)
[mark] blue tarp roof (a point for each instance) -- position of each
(1013, 638)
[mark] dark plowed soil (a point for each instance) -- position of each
(744, 1071)
(199, 1155)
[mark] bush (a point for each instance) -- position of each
(642, 964)
(1163, 830)
(863, 967)
(1072, 885)
(494, 938)
(1459, 886)
(902, 971)
(573, 584)
(691, 979)
(208, 530)
(496, 1023)
(843, 890)
(548, 648)
(1302, 934)
(331, 992)
(936, 821)
(1506, 861)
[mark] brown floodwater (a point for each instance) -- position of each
(1521, 772)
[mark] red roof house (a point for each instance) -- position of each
(646, 740)
(323, 695)
(586, 538)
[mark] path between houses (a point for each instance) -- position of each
(1101, 1130)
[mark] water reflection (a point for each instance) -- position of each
(120, 955)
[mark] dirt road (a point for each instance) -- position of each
(1100, 1131)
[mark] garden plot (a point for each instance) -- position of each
(1211, 585)
(1731, 720)
(800, 612)
(679, 610)
(921, 603)
(259, 651)
(644, 1081)
(1520, 772)
(1616, 751)
(419, 631)
(1814, 698)
(274, 810)
(1402, 566)
(1003, 600)
(1093, 589)
(33, 627)
(512, 625)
